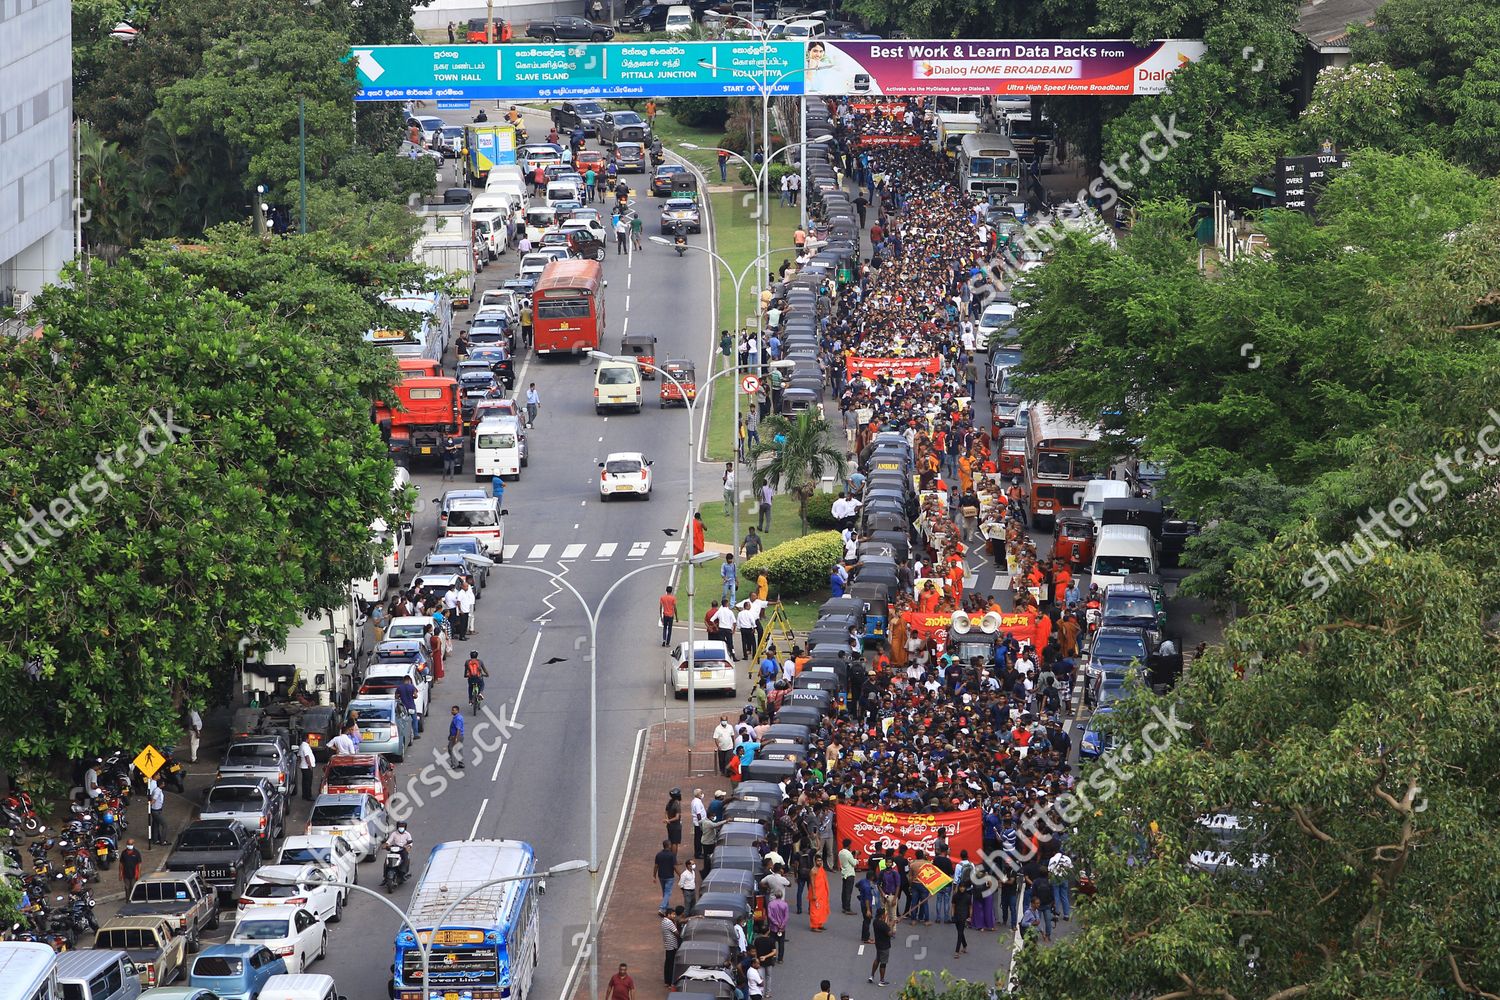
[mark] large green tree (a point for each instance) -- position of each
(189, 458)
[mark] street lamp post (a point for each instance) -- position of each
(312, 873)
(738, 281)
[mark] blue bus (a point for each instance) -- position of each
(487, 948)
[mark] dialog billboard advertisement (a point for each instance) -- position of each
(1095, 68)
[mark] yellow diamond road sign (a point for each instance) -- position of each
(149, 761)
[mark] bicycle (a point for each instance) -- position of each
(476, 695)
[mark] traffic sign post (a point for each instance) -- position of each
(750, 385)
(149, 761)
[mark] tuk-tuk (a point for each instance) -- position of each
(723, 906)
(760, 791)
(764, 769)
(1013, 451)
(741, 833)
(705, 984)
(685, 185)
(709, 928)
(1073, 538)
(753, 810)
(744, 859)
(778, 733)
(877, 598)
(640, 348)
(798, 715)
(729, 880)
(684, 373)
(702, 954)
(816, 697)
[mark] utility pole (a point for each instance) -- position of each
(302, 159)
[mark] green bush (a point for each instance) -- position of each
(820, 510)
(778, 171)
(797, 567)
(700, 112)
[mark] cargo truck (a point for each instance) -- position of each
(489, 145)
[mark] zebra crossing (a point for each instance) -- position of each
(639, 551)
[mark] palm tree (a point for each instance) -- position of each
(798, 461)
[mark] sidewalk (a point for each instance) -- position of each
(630, 930)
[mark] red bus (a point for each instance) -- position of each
(1055, 469)
(567, 307)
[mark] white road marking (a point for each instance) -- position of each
(538, 551)
(573, 551)
(638, 550)
(515, 706)
(475, 830)
(606, 549)
(498, 761)
(625, 325)
(511, 550)
(671, 548)
(860, 950)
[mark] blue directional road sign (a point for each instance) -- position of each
(597, 70)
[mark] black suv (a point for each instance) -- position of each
(650, 17)
(573, 115)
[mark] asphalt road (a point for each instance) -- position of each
(528, 779)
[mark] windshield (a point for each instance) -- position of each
(229, 795)
(460, 546)
(621, 467)
(627, 118)
(217, 967)
(304, 855)
(257, 755)
(1005, 357)
(262, 930)
(334, 815)
(1121, 565)
(616, 376)
(1131, 607)
(497, 441)
(1120, 646)
(373, 713)
(206, 840)
(270, 890)
(471, 519)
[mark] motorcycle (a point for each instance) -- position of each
(18, 813)
(395, 869)
(679, 239)
(104, 852)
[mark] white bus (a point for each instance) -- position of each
(487, 948)
(430, 339)
(28, 971)
(988, 163)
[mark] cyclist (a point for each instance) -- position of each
(475, 673)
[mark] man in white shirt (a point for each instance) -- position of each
(789, 669)
(307, 763)
(699, 813)
(465, 601)
(343, 743)
(724, 619)
(194, 734)
(723, 742)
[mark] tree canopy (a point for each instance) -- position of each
(190, 440)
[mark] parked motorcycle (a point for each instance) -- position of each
(18, 813)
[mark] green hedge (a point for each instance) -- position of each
(778, 171)
(799, 566)
(820, 510)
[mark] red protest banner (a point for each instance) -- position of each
(892, 367)
(927, 626)
(890, 140)
(894, 109)
(873, 830)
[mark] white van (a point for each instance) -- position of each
(505, 175)
(1096, 491)
(492, 227)
(617, 385)
(679, 19)
(392, 546)
(1121, 550)
(561, 191)
(499, 448)
(300, 987)
(494, 201)
(539, 219)
(28, 971)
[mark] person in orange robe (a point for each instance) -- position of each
(928, 602)
(817, 899)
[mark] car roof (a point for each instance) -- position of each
(371, 700)
(355, 758)
(635, 456)
(435, 579)
(341, 799)
(474, 503)
(261, 912)
(281, 871)
(244, 950)
(212, 824)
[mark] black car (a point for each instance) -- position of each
(573, 115)
(623, 126)
(502, 365)
(650, 17)
(661, 181)
(221, 851)
(1131, 606)
(489, 330)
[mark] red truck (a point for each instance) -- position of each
(428, 407)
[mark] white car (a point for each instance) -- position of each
(593, 227)
(713, 669)
(996, 317)
(625, 472)
(392, 673)
(325, 901)
(336, 860)
(356, 816)
(292, 932)
(533, 264)
(410, 627)
(481, 518)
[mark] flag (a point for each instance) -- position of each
(930, 876)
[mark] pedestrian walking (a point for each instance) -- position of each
(620, 985)
(307, 765)
(637, 228)
(533, 404)
(464, 609)
(728, 575)
(194, 734)
(450, 456)
(130, 865)
(962, 902)
(763, 511)
(882, 949)
(456, 739)
(156, 827)
(868, 897)
(451, 38)
(729, 493)
(622, 234)
(817, 899)
(667, 607)
(664, 869)
(723, 166)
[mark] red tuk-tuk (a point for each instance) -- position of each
(686, 375)
(1013, 451)
(640, 348)
(1073, 538)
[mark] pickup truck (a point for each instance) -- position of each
(181, 898)
(222, 853)
(159, 954)
(253, 803)
(571, 29)
(573, 115)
